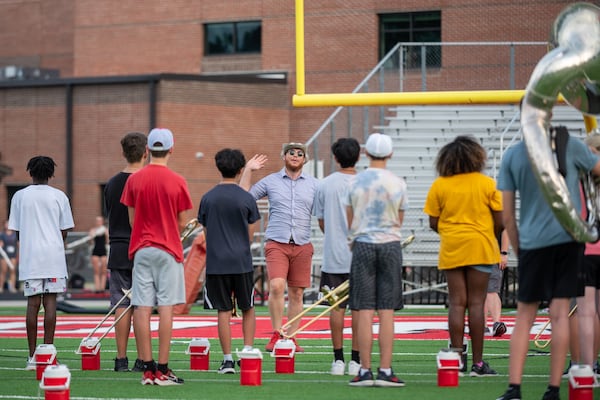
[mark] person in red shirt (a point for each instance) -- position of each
(157, 199)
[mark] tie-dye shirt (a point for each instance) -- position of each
(376, 195)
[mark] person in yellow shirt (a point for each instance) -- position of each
(465, 209)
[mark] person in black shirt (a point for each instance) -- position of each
(134, 151)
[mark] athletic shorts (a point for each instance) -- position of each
(119, 280)
(291, 262)
(551, 272)
(220, 290)
(495, 282)
(32, 287)
(157, 279)
(376, 276)
(332, 281)
(591, 266)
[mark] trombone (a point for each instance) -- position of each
(187, 231)
(189, 228)
(126, 294)
(542, 344)
(334, 297)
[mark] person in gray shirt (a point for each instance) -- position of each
(330, 210)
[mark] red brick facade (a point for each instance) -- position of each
(109, 38)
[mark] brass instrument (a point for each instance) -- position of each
(334, 297)
(189, 228)
(126, 294)
(540, 344)
(571, 69)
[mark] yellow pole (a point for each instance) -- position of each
(300, 89)
(408, 98)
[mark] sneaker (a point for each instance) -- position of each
(148, 378)
(487, 332)
(566, 371)
(30, 366)
(499, 329)
(550, 395)
(353, 368)
(274, 338)
(167, 379)
(138, 366)
(511, 394)
(385, 380)
(597, 368)
(299, 348)
(227, 367)
(483, 370)
(365, 379)
(338, 367)
(121, 364)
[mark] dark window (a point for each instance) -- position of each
(410, 28)
(232, 37)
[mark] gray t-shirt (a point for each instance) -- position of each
(330, 206)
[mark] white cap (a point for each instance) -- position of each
(162, 136)
(379, 145)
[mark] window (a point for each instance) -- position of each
(411, 27)
(232, 38)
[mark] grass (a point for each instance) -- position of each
(414, 361)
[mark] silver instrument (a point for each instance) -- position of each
(572, 69)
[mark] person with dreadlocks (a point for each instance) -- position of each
(41, 216)
(465, 209)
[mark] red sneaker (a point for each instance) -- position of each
(148, 378)
(274, 338)
(167, 379)
(299, 349)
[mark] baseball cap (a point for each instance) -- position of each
(379, 145)
(293, 145)
(160, 135)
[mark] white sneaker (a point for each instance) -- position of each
(338, 367)
(30, 366)
(353, 368)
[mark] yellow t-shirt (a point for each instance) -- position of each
(464, 203)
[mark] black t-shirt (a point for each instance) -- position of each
(119, 231)
(225, 211)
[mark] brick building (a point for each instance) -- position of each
(78, 74)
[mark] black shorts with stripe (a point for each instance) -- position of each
(220, 290)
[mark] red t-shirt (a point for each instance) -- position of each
(158, 195)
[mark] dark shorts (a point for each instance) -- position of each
(551, 272)
(332, 281)
(118, 280)
(376, 276)
(495, 281)
(591, 266)
(219, 291)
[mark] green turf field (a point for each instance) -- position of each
(414, 361)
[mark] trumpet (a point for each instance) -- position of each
(335, 297)
(542, 344)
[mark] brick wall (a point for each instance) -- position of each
(90, 38)
(204, 117)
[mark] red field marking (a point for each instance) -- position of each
(406, 327)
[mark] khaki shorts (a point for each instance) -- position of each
(291, 262)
